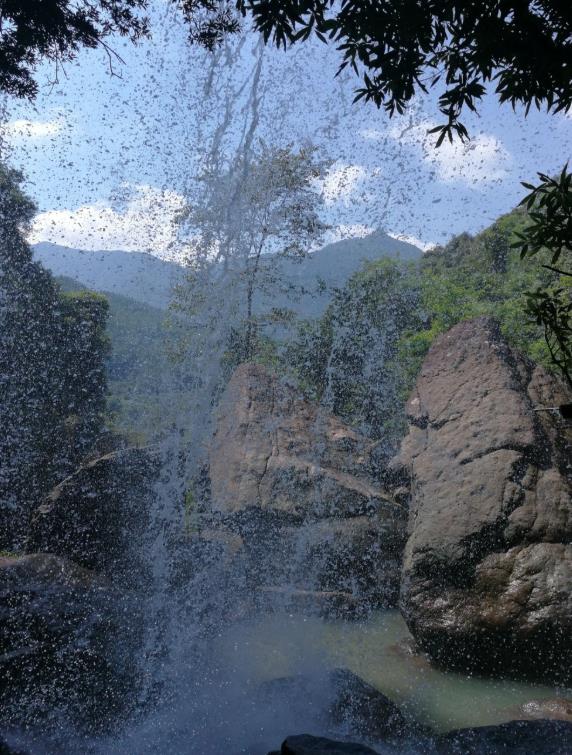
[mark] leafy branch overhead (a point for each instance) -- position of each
(522, 49)
(55, 31)
(549, 231)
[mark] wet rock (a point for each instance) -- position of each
(487, 575)
(92, 515)
(55, 641)
(6, 749)
(407, 651)
(275, 451)
(306, 744)
(366, 711)
(345, 704)
(293, 481)
(328, 604)
(512, 738)
(357, 555)
(556, 709)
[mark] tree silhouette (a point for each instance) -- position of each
(522, 49)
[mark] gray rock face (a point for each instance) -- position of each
(275, 451)
(487, 575)
(55, 634)
(306, 744)
(91, 516)
(294, 482)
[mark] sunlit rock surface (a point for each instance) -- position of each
(274, 450)
(295, 483)
(487, 581)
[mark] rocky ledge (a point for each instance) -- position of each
(56, 635)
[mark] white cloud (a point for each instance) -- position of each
(144, 221)
(481, 161)
(347, 231)
(24, 129)
(415, 240)
(373, 134)
(342, 182)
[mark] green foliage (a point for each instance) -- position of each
(255, 212)
(549, 207)
(480, 275)
(52, 382)
(362, 357)
(549, 232)
(55, 30)
(144, 395)
(553, 310)
(398, 48)
(347, 360)
(403, 48)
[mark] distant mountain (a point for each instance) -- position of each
(333, 266)
(150, 280)
(138, 275)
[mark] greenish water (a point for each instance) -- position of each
(281, 645)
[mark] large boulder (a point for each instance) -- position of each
(295, 483)
(368, 713)
(273, 450)
(93, 515)
(307, 744)
(487, 574)
(56, 642)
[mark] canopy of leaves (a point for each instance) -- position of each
(362, 357)
(461, 280)
(52, 385)
(249, 215)
(346, 360)
(55, 30)
(523, 49)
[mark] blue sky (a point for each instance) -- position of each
(110, 160)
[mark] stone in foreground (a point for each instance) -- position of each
(306, 744)
(512, 738)
(487, 575)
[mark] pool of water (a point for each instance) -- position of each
(282, 645)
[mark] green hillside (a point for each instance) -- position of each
(479, 275)
(361, 358)
(141, 400)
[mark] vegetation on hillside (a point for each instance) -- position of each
(53, 383)
(549, 233)
(361, 358)
(142, 394)
(346, 359)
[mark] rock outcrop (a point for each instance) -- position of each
(93, 515)
(56, 634)
(511, 738)
(487, 575)
(306, 744)
(294, 482)
(273, 450)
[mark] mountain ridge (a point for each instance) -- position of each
(148, 279)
